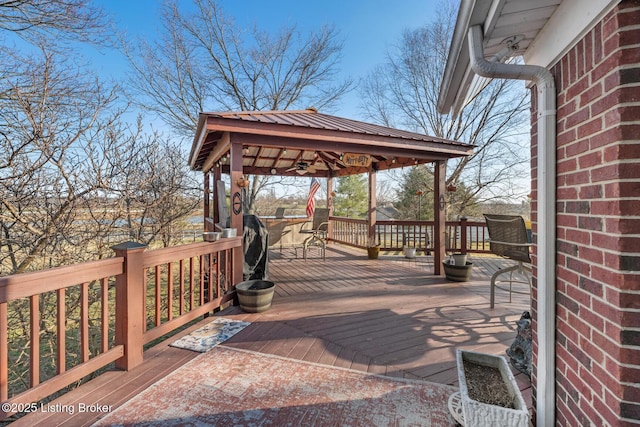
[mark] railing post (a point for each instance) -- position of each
(463, 235)
(130, 294)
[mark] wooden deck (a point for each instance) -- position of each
(389, 316)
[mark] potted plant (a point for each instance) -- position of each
(255, 296)
(489, 394)
(457, 270)
(373, 248)
(409, 251)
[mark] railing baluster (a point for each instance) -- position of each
(145, 291)
(61, 330)
(191, 280)
(210, 270)
(218, 277)
(181, 287)
(4, 353)
(157, 305)
(201, 279)
(169, 291)
(34, 352)
(84, 321)
(105, 313)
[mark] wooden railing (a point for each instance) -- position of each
(394, 235)
(61, 325)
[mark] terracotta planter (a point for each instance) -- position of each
(373, 252)
(255, 296)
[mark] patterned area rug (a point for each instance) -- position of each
(210, 335)
(230, 387)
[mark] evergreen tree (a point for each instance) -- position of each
(410, 200)
(352, 197)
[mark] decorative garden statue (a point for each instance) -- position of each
(520, 350)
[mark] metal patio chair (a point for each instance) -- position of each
(508, 238)
(318, 232)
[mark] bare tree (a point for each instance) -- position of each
(78, 20)
(153, 188)
(205, 62)
(404, 93)
(55, 136)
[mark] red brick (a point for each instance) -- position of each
(609, 208)
(577, 118)
(592, 255)
(622, 225)
(629, 55)
(630, 374)
(579, 236)
(631, 393)
(591, 286)
(569, 165)
(590, 222)
(630, 94)
(631, 319)
(607, 311)
(566, 193)
(591, 159)
(622, 151)
(593, 92)
(591, 192)
(604, 68)
(577, 147)
(579, 87)
(576, 178)
(583, 298)
(596, 354)
(628, 300)
(590, 127)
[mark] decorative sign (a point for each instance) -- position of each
(442, 202)
(236, 203)
(355, 159)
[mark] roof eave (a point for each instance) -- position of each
(198, 140)
(457, 70)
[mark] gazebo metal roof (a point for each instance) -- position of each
(310, 143)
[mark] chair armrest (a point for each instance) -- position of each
(509, 243)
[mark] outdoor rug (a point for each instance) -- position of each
(210, 335)
(231, 387)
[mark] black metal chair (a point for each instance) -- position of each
(318, 232)
(508, 238)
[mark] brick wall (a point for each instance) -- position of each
(598, 224)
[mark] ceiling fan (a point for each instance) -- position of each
(302, 168)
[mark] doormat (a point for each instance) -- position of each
(210, 335)
(232, 387)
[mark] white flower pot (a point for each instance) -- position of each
(410, 252)
(459, 259)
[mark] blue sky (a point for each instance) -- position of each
(368, 27)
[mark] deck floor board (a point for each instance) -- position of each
(389, 316)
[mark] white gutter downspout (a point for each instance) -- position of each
(546, 236)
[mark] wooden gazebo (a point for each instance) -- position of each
(309, 143)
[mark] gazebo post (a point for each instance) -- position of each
(236, 208)
(440, 218)
(330, 204)
(217, 176)
(371, 213)
(207, 202)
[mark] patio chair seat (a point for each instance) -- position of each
(508, 238)
(317, 233)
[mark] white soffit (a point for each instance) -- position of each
(570, 22)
